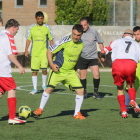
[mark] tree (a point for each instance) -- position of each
(100, 12)
(70, 11)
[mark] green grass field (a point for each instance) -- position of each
(103, 120)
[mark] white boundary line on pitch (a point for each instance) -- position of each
(20, 88)
(62, 84)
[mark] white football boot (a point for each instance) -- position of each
(16, 120)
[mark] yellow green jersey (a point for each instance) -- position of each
(39, 35)
(67, 53)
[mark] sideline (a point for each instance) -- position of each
(29, 70)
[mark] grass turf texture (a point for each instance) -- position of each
(103, 120)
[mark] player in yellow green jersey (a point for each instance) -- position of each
(39, 33)
(136, 32)
(66, 52)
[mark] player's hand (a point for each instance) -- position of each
(0, 94)
(55, 68)
(22, 71)
(103, 57)
(26, 53)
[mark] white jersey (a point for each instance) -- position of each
(124, 48)
(5, 50)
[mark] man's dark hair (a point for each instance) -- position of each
(136, 28)
(84, 18)
(78, 27)
(10, 23)
(39, 14)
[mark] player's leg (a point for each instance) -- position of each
(118, 75)
(44, 79)
(11, 100)
(52, 81)
(78, 104)
(96, 77)
(83, 75)
(44, 99)
(43, 67)
(121, 100)
(132, 95)
(74, 82)
(8, 84)
(130, 79)
(136, 85)
(83, 65)
(35, 66)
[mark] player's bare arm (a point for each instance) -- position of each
(15, 61)
(51, 42)
(76, 69)
(27, 46)
(54, 67)
(101, 46)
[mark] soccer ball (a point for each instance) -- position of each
(24, 112)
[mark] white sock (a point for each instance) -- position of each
(34, 80)
(79, 101)
(44, 78)
(44, 99)
(127, 100)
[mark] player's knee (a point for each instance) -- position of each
(48, 90)
(80, 92)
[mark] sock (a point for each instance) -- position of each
(34, 80)
(96, 84)
(44, 99)
(12, 107)
(84, 83)
(127, 100)
(79, 101)
(121, 100)
(132, 93)
(44, 78)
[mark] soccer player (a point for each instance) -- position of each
(136, 32)
(7, 83)
(67, 51)
(89, 56)
(125, 51)
(39, 33)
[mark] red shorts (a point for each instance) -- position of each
(124, 69)
(6, 84)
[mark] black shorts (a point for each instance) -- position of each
(85, 63)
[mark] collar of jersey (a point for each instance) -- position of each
(39, 26)
(128, 37)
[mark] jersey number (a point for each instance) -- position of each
(128, 46)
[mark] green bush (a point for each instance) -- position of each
(69, 12)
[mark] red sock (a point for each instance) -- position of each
(12, 107)
(121, 100)
(132, 94)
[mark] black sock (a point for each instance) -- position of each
(84, 83)
(96, 84)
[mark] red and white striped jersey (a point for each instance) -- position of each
(124, 48)
(7, 47)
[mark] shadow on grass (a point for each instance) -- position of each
(102, 94)
(130, 112)
(68, 112)
(5, 118)
(55, 90)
